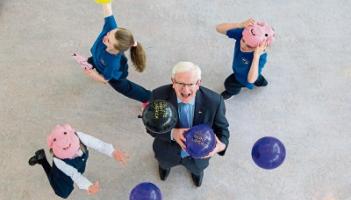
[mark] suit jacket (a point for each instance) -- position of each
(209, 109)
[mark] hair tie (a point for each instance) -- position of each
(135, 44)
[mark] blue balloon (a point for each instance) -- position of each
(268, 152)
(145, 191)
(200, 140)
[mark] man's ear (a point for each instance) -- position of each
(172, 83)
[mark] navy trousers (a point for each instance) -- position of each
(233, 86)
(60, 182)
(168, 156)
(125, 86)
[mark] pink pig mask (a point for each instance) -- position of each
(63, 141)
(256, 34)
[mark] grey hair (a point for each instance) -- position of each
(186, 67)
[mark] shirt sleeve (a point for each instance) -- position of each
(82, 182)
(220, 125)
(235, 33)
(96, 144)
(262, 62)
(171, 135)
(110, 23)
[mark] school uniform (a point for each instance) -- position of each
(65, 172)
(114, 68)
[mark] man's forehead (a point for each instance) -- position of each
(187, 75)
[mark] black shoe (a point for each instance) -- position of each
(262, 83)
(37, 158)
(163, 173)
(197, 179)
(226, 95)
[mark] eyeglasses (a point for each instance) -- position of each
(183, 85)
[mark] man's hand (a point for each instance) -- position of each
(219, 147)
(248, 22)
(120, 156)
(93, 189)
(178, 135)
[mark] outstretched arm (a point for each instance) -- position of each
(223, 28)
(103, 147)
(82, 182)
(95, 75)
(96, 144)
(107, 9)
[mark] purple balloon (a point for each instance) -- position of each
(145, 191)
(268, 152)
(200, 141)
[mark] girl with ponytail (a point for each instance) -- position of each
(108, 64)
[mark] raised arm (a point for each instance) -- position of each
(253, 72)
(224, 27)
(107, 9)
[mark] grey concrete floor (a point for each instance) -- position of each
(306, 105)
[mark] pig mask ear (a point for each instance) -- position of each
(269, 32)
(52, 135)
(261, 23)
(271, 36)
(69, 128)
(50, 140)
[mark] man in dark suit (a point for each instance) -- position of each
(195, 105)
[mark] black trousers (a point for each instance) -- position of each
(168, 156)
(233, 86)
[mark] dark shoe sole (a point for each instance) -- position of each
(32, 161)
(39, 155)
(163, 173)
(197, 180)
(263, 83)
(226, 95)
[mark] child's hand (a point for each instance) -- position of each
(88, 72)
(260, 48)
(120, 156)
(93, 189)
(248, 22)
